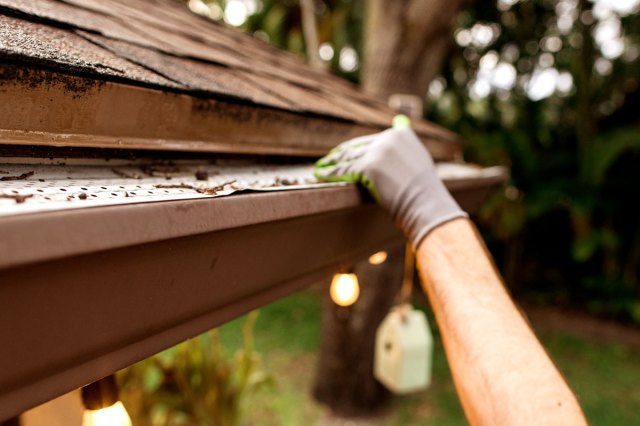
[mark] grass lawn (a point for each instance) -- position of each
(606, 378)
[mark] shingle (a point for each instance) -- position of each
(42, 43)
(178, 44)
(73, 17)
(194, 75)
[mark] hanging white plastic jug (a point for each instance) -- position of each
(404, 350)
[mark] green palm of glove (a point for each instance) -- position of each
(341, 165)
(399, 173)
(381, 162)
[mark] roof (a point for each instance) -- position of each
(161, 45)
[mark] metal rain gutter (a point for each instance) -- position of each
(91, 285)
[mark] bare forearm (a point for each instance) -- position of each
(502, 373)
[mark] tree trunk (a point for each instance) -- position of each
(405, 43)
(310, 32)
(345, 379)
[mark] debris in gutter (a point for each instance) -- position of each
(215, 189)
(285, 182)
(102, 186)
(17, 197)
(201, 190)
(21, 177)
(126, 175)
(175, 186)
(202, 175)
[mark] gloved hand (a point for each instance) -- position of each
(398, 171)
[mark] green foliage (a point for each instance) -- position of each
(194, 383)
(605, 149)
(563, 219)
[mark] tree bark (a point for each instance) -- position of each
(345, 379)
(310, 32)
(405, 44)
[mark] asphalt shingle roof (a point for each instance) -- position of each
(160, 43)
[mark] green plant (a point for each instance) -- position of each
(194, 383)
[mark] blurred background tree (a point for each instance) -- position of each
(547, 87)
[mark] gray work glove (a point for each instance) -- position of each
(398, 171)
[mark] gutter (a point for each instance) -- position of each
(88, 290)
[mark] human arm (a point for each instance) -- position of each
(502, 374)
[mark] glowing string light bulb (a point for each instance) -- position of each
(115, 415)
(344, 290)
(378, 258)
(102, 407)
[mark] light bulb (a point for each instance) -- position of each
(102, 405)
(113, 415)
(378, 258)
(344, 289)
